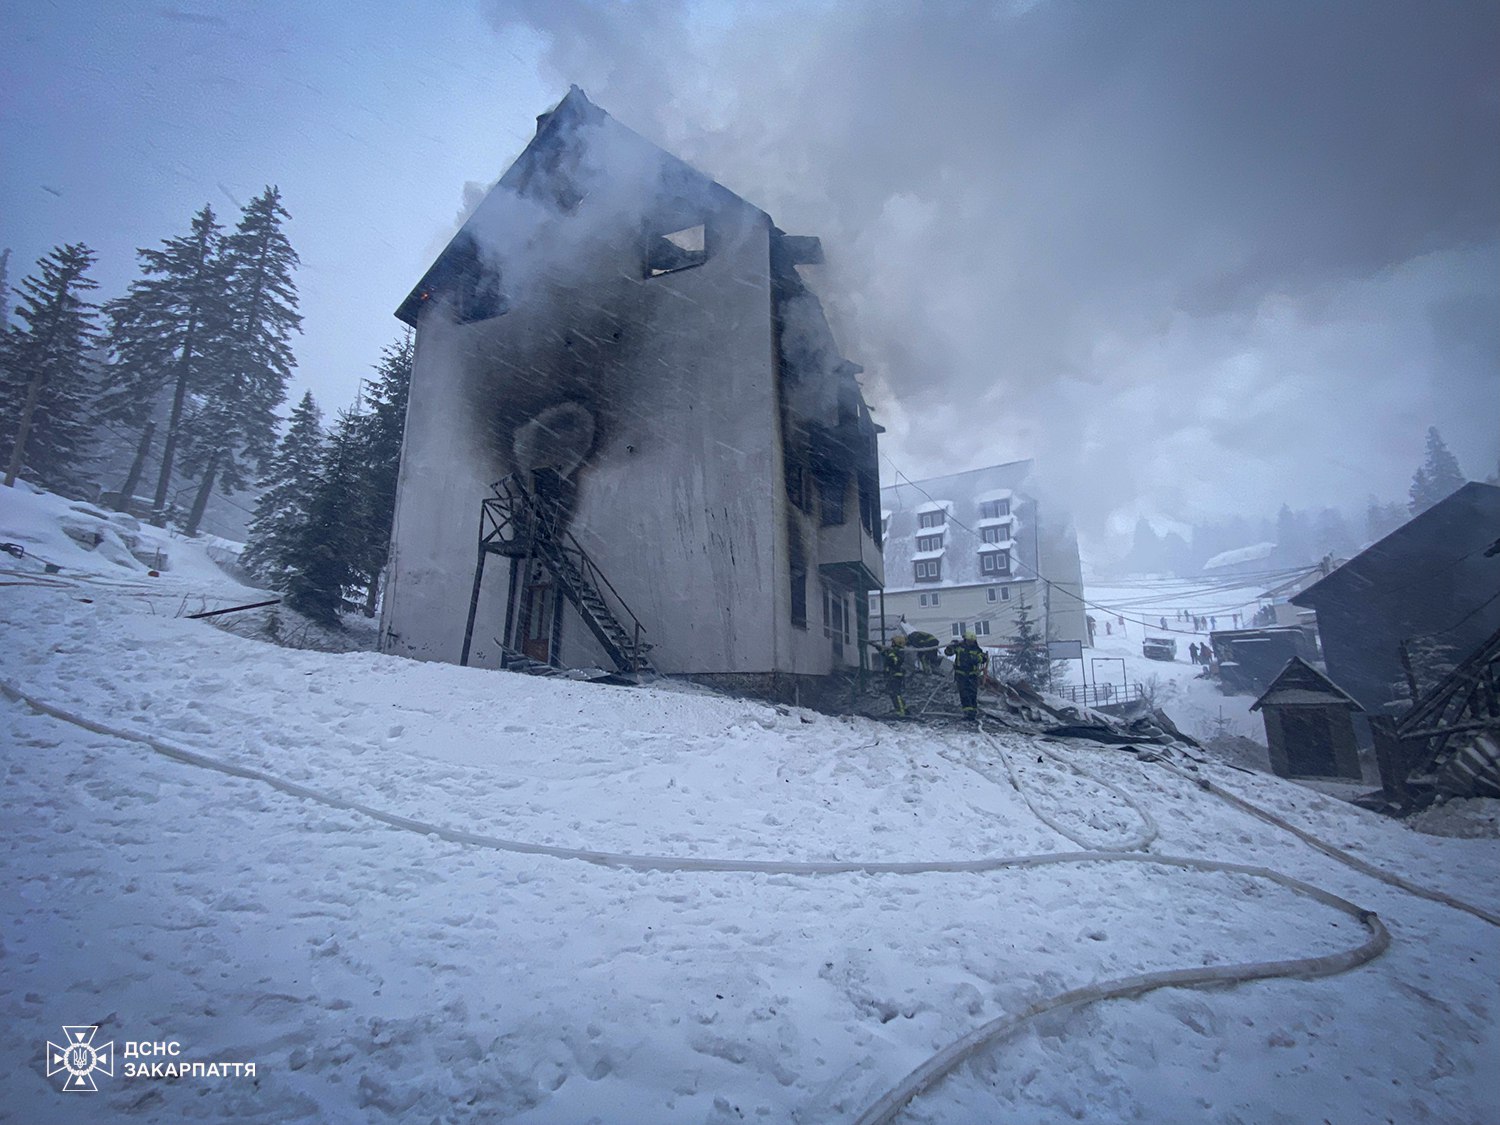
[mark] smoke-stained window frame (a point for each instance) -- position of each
(655, 239)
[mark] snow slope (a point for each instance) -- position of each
(376, 972)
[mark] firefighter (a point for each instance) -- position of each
(893, 657)
(968, 665)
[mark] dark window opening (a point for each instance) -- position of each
(676, 250)
(993, 534)
(931, 519)
(835, 619)
(929, 542)
(831, 491)
(477, 297)
(799, 597)
(928, 570)
(981, 628)
(796, 485)
(994, 509)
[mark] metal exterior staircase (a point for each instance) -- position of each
(524, 522)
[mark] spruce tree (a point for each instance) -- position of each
(45, 372)
(1027, 658)
(4, 290)
(382, 431)
(168, 331)
(238, 421)
(324, 546)
(284, 506)
(1437, 477)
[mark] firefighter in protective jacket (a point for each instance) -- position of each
(968, 665)
(893, 663)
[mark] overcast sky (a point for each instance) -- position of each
(1197, 257)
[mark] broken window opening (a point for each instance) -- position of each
(477, 297)
(799, 597)
(796, 485)
(831, 500)
(835, 619)
(676, 250)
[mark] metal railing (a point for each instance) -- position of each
(1101, 695)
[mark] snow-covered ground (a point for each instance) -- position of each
(379, 971)
(1192, 700)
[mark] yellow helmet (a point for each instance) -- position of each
(899, 639)
(969, 636)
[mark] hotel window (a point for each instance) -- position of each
(993, 534)
(997, 594)
(929, 570)
(959, 628)
(931, 519)
(994, 562)
(929, 542)
(994, 509)
(981, 628)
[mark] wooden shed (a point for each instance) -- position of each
(1309, 724)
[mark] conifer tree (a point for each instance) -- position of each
(1437, 477)
(238, 421)
(168, 331)
(324, 547)
(45, 371)
(382, 432)
(1028, 656)
(284, 506)
(4, 289)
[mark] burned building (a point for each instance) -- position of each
(632, 442)
(1427, 586)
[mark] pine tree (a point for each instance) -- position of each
(238, 420)
(46, 385)
(1027, 658)
(323, 548)
(1438, 476)
(168, 331)
(284, 506)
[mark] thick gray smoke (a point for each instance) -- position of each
(1195, 257)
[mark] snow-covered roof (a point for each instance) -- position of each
(1003, 545)
(993, 494)
(934, 506)
(995, 521)
(1240, 555)
(921, 555)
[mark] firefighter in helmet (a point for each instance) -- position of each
(968, 665)
(893, 663)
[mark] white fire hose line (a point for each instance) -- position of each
(1362, 866)
(1139, 842)
(925, 1076)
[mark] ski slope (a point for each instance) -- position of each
(790, 917)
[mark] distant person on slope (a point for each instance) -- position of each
(968, 665)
